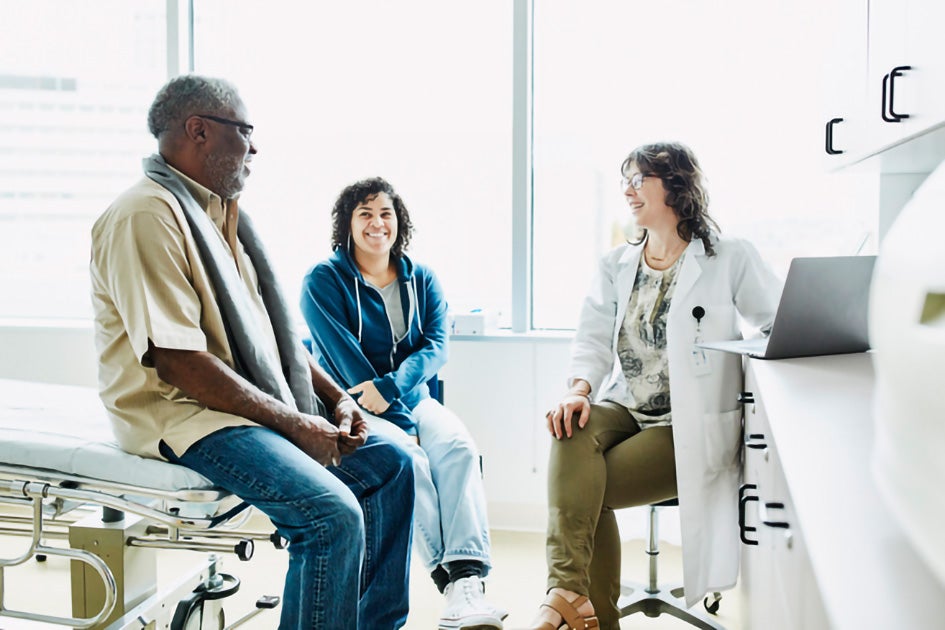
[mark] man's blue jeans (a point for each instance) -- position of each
(348, 526)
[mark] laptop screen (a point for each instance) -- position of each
(824, 308)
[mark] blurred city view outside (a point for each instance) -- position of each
(350, 90)
(73, 96)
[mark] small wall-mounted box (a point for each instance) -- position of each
(475, 322)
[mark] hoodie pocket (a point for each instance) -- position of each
(722, 432)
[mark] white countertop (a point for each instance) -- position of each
(820, 415)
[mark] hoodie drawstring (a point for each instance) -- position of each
(357, 298)
(416, 304)
(413, 298)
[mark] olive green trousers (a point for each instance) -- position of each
(609, 464)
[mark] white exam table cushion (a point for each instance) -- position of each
(65, 429)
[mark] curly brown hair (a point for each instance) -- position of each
(676, 165)
(356, 194)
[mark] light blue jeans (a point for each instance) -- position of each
(450, 519)
(348, 526)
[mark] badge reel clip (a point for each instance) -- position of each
(700, 362)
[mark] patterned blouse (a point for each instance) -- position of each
(641, 347)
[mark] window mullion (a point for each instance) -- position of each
(522, 136)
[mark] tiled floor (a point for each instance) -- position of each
(517, 583)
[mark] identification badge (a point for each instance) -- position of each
(697, 356)
(700, 362)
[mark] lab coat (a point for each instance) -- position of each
(706, 415)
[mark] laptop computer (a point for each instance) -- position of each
(823, 310)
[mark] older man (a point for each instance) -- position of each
(199, 365)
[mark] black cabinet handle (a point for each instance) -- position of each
(745, 398)
(754, 440)
(889, 91)
(777, 524)
(896, 72)
(828, 142)
(743, 499)
(885, 91)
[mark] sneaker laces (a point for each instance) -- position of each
(469, 591)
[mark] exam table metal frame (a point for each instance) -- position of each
(114, 586)
(111, 530)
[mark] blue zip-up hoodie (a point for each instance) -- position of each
(348, 321)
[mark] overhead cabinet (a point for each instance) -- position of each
(900, 46)
(906, 70)
(844, 79)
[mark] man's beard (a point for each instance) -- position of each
(226, 175)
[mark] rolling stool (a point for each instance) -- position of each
(652, 600)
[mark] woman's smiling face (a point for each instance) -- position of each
(374, 225)
(646, 196)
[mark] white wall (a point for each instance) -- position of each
(499, 385)
(50, 352)
(496, 385)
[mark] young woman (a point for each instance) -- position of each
(648, 416)
(379, 323)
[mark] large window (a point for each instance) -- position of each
(416, 91)
(75, 83)
(421, 93)
(736, 81)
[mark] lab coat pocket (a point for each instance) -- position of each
(722, 432)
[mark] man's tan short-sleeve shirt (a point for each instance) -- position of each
(149, 282)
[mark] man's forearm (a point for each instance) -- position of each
(208, 380)
(325, 387)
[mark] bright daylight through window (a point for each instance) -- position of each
(341, 91)
(74, 93)
(611, 75)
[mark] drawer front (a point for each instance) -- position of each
(777, 578)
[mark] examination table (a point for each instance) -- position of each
(64, 479)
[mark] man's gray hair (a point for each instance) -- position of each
(186, 95)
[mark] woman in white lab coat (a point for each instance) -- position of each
(620, 439)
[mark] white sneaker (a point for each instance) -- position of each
(467, 608)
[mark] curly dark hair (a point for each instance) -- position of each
(676, 165)
(356, 194)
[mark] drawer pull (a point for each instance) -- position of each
(745, 398)
(772, 523)
(755, 440)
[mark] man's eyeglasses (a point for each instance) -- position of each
(244, 128)
(636, 181)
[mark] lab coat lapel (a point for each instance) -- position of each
(626, 276)
(690, 271)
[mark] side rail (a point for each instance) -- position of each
(167, 523)
(36, 547)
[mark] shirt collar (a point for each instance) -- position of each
(211, 202)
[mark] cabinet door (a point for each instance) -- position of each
(924, 23)
(779, 532)
(756, 559)
(778, 581)
(906, 70)
(843, 81)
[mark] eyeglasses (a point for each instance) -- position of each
(636, 181)
(244, 128)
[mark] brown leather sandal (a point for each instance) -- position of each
(573, 620)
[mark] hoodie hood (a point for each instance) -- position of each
(345, 264)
